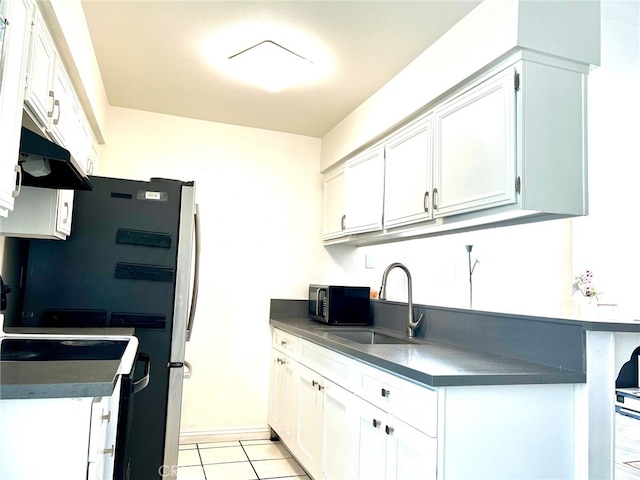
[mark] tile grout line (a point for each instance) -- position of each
(204, 472)
(250, 462)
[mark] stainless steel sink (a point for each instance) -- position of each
(369, 337)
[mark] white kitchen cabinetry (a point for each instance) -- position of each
(282, 396)
(17, 13)
(339, 433)
(408, 174)
(353, 195)
(334, 204)
(508, 146)
(398, 425)
(390, 449)
(51, 99)
(308, 433)
(325, 430)
(327, 415)
(475, 148)
(58, 438)
(40, 213)
(364, 191)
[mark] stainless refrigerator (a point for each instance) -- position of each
(131, 261)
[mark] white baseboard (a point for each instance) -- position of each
(225, 435)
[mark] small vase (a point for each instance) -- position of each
(585, 307)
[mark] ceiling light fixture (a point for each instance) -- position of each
(271, 66)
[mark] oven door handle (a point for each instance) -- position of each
(141, 384)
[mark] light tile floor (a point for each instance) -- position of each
(237, 460)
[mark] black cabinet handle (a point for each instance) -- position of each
(388, 430)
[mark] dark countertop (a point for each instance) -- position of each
(58, 379)
(432, 363)
(68, 378)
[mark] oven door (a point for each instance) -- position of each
(132, 383)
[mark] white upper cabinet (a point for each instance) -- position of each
(15, 17)
(363, 191)
(40, 213)
(51, 99)
(333, 209)
(39, 95)
(475, 148)
(408, 174)
(507, 146)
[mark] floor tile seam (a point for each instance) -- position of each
(204, 472)
(250, 461)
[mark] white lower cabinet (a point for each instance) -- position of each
(59, 438)
(334, 436)
(339, 433)
(390, 449)
(282, 398)
(308, 432)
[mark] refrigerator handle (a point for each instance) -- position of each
(196, 272)
(188, 369)
(141, 384)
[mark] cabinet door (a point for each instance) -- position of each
(408, 174)
(364, 189)
(282, 398)
(39, 94)
(64, 211)
(333, 208)
(309, 420)
(372, 442)
(475, 156)
(40, 213)
(64, 121)
(411, 454)
(339, 451)
(18, 15)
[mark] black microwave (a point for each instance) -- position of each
(339, 305)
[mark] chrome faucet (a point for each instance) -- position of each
(411, 325)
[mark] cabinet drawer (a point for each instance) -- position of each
(407, 401)
(329, 364)
(285, 342)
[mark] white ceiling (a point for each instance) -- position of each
(151, 55)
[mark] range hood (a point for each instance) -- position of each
(47, 165)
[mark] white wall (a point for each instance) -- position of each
(607, 240)
(259, 195)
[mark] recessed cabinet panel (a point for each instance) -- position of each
(363, 191)
(39, 95)
(475, 148)
(408, 174)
